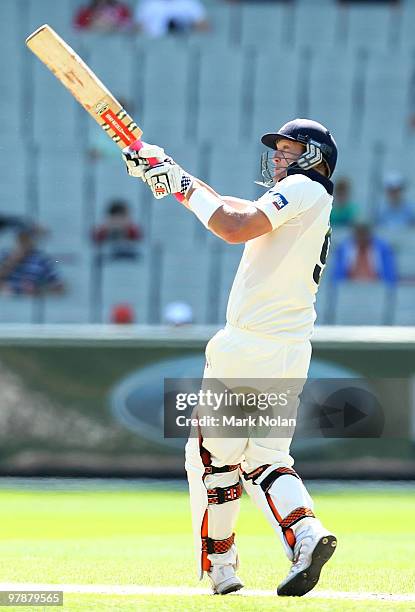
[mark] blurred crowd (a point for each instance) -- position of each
(25, 269)
(153, 18)
(361, 251)
(364, 254)
(364, 249)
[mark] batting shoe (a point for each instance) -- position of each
(224, 580)
(313, 548)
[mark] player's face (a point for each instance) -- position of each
(288, 151)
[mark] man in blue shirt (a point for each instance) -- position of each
(395, 211)
(27, 270)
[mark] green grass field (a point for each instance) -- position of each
(143, 537)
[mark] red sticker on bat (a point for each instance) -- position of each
(118, 127)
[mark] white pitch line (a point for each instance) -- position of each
(108, 589)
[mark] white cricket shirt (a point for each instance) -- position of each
(274, 289)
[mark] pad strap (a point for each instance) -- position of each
(272, 477)
(255, 473)
(295, 516)
(211, 469)
(221, 495)
(217, 546)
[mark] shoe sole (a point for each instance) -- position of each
(306, 580)
(232, 588)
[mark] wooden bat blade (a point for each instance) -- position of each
(84, 85)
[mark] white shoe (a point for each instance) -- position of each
(313, 548)
(224, 580)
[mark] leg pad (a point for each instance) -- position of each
(221, 495)
(217, 546)
(295, 516)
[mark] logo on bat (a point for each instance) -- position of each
(101, 107)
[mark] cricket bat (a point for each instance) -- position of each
(86, 87)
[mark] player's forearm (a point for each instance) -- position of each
(236, 203)
(224, 219)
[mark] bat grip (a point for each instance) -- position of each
(136, 146)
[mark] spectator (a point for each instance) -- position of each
(104, 16)
(12, 222)
(178, 313)
(26, 270)
(395, 211)
(118, 231)
(344, 211)
(364, 257)
(157, 18)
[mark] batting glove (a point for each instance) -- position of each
(137, 161)
(167, 177)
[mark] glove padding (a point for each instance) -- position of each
(164, 178)
(137, 161)
(167, 177)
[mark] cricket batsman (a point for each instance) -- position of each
(269, 323)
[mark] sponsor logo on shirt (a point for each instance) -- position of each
(280, 201)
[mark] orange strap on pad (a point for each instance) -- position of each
(216, 547)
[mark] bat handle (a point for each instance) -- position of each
(136, 146)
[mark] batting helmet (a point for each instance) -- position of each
(320, 144)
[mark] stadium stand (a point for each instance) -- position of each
(11, 102)
(372, 25)
(354, 70)
(166, 88)
(75, 304)
(17, 309)
(220, 95)
(350, 304)
(272, 105)
(191, 285)
(404, 311)
(60, 199)
(327, 23)
(273, 20)
(14, 181)
(130, 282)
(330, 91)
(230, 256)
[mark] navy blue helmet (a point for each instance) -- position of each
(320, 144)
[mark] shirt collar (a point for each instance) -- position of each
(314, 176)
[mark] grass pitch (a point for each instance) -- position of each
(143, 537)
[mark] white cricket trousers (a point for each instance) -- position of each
(214, 465)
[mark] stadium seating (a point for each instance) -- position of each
(12, 101)
(17, 309)
(324, 301)
(266, 23)
(277, 87)
(220, 95)
(349, 305)
(74, 305)
(163, 106)
(191, 285)
(327, 23)
(129, 282)
(230, 256)
(404, 305)
(370, 25)
(207, 99)
(60, 199)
